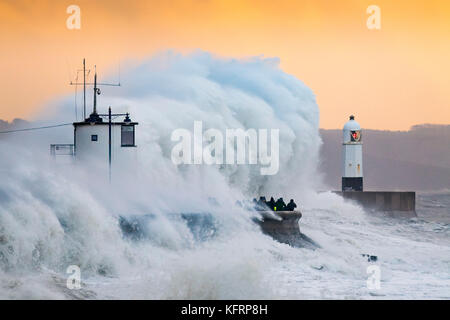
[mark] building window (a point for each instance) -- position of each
(355, 136)
(127, 136)
(94, 137)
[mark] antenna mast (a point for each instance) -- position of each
(84, 88)
(96, 89)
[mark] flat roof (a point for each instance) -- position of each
(86, 123)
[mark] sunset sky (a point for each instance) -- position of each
(391, 78)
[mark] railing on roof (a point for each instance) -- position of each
(62, 149)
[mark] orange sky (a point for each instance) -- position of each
(390, 78)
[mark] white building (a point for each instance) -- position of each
(98, 139)
(352, 169)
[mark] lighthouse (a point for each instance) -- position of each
(352, 169)
(393, 203)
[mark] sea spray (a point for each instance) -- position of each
(56, 215)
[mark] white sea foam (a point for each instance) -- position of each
(53, 216)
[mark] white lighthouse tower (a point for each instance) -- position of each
(352, 170)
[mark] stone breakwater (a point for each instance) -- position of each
(284, 227)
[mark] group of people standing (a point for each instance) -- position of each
(262, 204)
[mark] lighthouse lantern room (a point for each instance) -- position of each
(352, 169)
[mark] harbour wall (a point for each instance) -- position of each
(394, 203)
(284, 227)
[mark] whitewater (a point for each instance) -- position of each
(57, 214)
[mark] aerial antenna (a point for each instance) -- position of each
(84, 88)
(96, 89)
(84, 85)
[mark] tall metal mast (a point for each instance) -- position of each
(96, 89)
(96, 92)
(84, 88)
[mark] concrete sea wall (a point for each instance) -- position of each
(394, 203)
(284, 227)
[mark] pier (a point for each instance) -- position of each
(393, 203)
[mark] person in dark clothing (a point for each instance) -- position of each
(280, 205)
(271, 203)
(291, 205)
